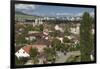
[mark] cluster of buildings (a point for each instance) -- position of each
(40, 20)
(43, 39)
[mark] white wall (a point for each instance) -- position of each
(5, 34)
(21, 53)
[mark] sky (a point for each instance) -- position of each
(48, 10)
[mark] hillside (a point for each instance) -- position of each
(22, 15)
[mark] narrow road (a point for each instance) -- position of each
(62, 58)
(29, 62)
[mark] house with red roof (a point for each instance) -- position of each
(40, 45)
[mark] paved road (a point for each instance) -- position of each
(29, 62)
(62, 58)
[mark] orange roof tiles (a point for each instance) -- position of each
(39, 47)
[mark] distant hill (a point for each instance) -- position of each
(20, 13)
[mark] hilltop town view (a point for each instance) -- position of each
(53, 34)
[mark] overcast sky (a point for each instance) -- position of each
(46, 10)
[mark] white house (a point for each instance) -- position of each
(75, 30)
(60, 38)
(38, 21)
(59, 28)
(24, 51)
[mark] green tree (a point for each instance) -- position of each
(55, 33)
(86, 40)
(33, 54)
(67, 29)
(28, 28)
(41, 27)
(56, 43)
(20, 39)
(75, 48)
(21, 60)
(50, 54)
(66, 40)
(38, 28)
(17, 61)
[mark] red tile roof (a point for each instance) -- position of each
(38, 46)
(27, 48)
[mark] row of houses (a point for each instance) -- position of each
(70, 18)
(41, 20)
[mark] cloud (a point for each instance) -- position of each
(69, 14)
(92, 13)
(65, 14)
(80, 14)
(62, 14)
(26, 8)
